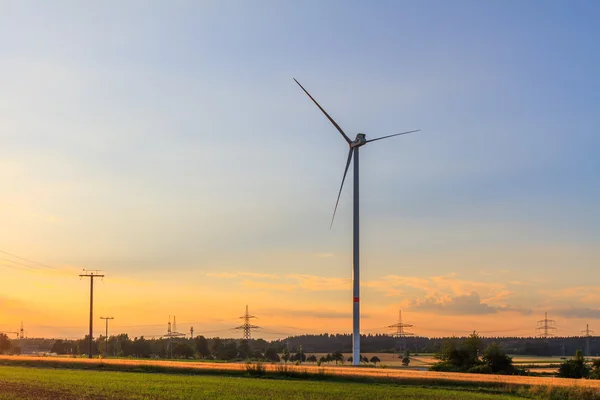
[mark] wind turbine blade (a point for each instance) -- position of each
(325, 112)
(342, 185)
(385, 137)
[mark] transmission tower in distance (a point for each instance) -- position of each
(247, 327)
(587, 333)
(546, 327)
(172, 334)
(400, 334)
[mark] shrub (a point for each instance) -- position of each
(481, 369)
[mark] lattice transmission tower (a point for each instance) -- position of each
(587, 333)
(172, 334)
(400, 334)
(247, 327)
(546, 327)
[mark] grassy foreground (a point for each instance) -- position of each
(18, 383)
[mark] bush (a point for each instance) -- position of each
(575, 368)
(445, 366)
(481, 369)
(256, 369)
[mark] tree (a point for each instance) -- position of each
(405, 360)
(4, 343)
(217, 347)
(141, 347)
(311, 358)
(300, 357)
(337, 356)
(375, 360)
(230, 351)
(183, 350)
(495, 357)
(271, 354)
(473, 345)
(244, 351)
(201, 345)
(364, 359)
(285, 356)
(350, 359)
(595, 373)
(575, 368)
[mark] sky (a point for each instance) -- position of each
(166, 144)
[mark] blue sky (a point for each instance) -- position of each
(160, 140)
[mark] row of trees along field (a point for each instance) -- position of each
(324, 343)
(384, 343)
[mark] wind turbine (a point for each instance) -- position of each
(354, 146)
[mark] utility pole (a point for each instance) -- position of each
(588, 333)
(91, 275)
(246, 327)
(106, 337)
(546, 327)
(21, 332)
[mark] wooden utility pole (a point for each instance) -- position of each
(106, 336)
(91, 275)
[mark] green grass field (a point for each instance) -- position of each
(17, 383)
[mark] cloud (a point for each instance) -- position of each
(321, 314)
(584, 295)
(281, 287)
(469, 304)
(224, 275)
(231, 275)
(577, 312)
(320, 283)
(258, 275)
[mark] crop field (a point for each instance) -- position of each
(371, 374)
(423, 361)
(19, 383)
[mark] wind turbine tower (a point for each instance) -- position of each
(354, 145)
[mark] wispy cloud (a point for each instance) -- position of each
(320, 314)
(222, 275)
(469, 304)
(577, 312)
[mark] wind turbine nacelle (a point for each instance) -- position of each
(361, 139)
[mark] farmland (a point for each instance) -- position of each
(347, 373)
(18, 383)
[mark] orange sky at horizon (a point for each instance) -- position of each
(55, 303)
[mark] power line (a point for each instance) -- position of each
(246, 327)
(29, 261)
(91, 275)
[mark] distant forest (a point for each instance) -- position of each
(228, 349)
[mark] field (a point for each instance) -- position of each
(422, 362)
(19, 383)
